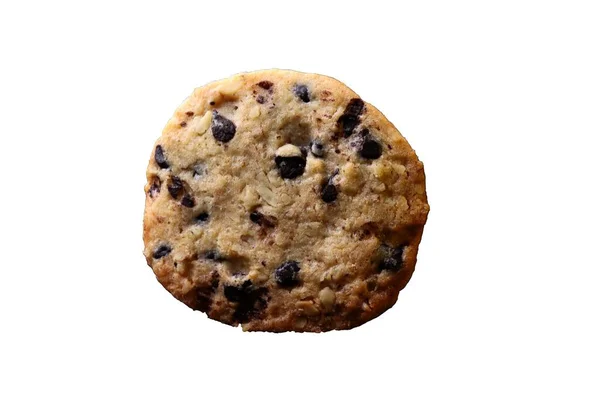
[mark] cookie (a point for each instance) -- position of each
(282, 201)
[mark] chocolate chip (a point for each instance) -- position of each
(214, 283)
(214, 255)
(202, 217)
(392, 258)
(182, 124)
(355, 107)
(233, 293)
(205, 293)
(161, 251)
(251, 305)
(261, 219)
(290, 167)
(212, 103)
(348, 123)
(188, 201)
(250, 300)
(287, 274)
(350, 119)
(189, 113)
(316, 148)
(159, 157)
(265, 84)
(389, 263)
(301, 91)
(370, 149)
(223, 129)
(260, 99)
(256, 217)
(154, 187)
(329, 192)
(204, 297)
(371, 285)
(175, 186)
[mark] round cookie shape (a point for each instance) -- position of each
(282, 201)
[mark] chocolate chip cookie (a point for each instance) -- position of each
(282, 201)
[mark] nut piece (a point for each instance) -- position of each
(267, 195)
(402, 203)
(254, 112)
(379, 187)
(334, 274)
(300, 322)
(315, 166)
(308, 308)
(230, 87)
(385, 173)
(249, 198)
(327, 298)
(399, 168)
(351, 178)
(288, 150)
(201, 125)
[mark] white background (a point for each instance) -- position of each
(500, 101)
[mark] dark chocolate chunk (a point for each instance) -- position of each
(188, 201)
(189, 113)
(329, 192)
(175, 186)
(348, 123)
(233, 293)
(183, 124)
(290, 167)
(161, 251)
(260, 99)
(316, 148)
(214, 255)
(287, 274)
(301, 91)
(265, 84)
(159, 157)
(251, 304)
(370, 149)
(202, 217)
(256, 217)
(214, 283)
(261, 219)
(392, 258)
(205, 293)
(350, 118)
(250, 300)
(223, 129)
(355, 107)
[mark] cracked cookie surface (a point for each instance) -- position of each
(282, 201)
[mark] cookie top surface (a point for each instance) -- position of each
(281, 201)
